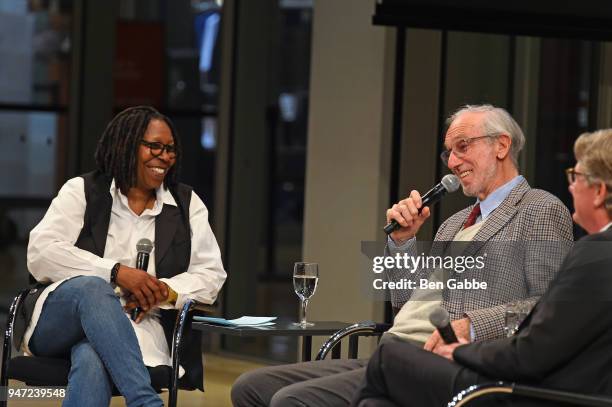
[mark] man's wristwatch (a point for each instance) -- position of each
(114, 271)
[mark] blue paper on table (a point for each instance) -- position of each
(242, 321)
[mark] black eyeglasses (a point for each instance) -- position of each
(572, 174)
(460, 147)
(158, 148)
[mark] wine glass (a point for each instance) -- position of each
(305, 279)
(515, 313)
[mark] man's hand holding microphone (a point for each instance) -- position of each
(406, 217)
(410, 214)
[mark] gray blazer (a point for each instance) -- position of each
(526, 238)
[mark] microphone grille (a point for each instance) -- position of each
(144, 245)
(439, 317)
(450, 182)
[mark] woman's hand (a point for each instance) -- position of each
(147, 290)
(132, 303)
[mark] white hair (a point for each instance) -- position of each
(497, 121)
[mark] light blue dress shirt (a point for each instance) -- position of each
(496, 198)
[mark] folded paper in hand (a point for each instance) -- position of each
(242, 321)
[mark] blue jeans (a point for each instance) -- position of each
(83, 320)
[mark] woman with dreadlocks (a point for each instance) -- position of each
(85, 247)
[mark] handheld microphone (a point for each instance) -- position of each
(441, 320)
(449, 183)
(144, 247)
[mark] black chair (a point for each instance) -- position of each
(569, 399)
(353, 332)
(41, 371)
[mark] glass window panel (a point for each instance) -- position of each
(28, 151)
(140, 10)
(193, 55)
(276, 172)
(290, 134)
(187, 57)
(198, 138)
(565, 103)
(35, 50)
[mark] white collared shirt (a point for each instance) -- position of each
(52, 256)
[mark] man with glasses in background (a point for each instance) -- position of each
(563, 344)
(482, 149)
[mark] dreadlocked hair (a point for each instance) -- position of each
(117, 152)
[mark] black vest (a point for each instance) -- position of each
(172, 256)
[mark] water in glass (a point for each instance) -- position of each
(305, 279)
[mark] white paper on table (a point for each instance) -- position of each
(242, 321)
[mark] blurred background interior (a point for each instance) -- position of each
(301, 122)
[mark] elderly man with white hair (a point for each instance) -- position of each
(563, 344)
(482, 149)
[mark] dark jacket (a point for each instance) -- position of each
(566, 341)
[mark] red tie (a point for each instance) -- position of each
(472, 217)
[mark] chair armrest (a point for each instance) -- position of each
(564, 396)
(364, 328)
(205, 308)
(473, 392)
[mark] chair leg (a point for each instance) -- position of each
(6, 357)
(353, 346)
(179, 326)
(7, 347)
(337, 351)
